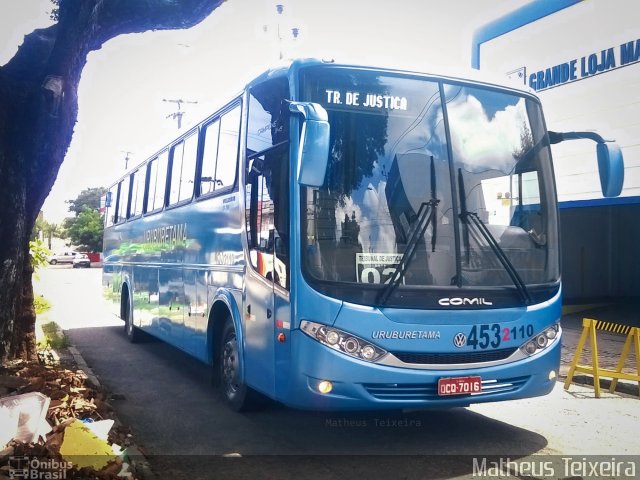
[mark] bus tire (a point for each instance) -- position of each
(235, 392)
(134, 334)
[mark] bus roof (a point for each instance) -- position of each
(291, 67)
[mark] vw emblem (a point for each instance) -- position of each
(460, 340)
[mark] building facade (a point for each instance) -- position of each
(583, 60)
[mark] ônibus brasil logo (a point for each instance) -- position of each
(24, 467)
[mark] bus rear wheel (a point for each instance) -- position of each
(235, 392)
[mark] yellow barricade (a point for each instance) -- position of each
(589, 327)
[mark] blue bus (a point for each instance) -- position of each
(342, 237)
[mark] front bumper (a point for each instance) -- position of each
(360, 385)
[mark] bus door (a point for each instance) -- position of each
(258, 307)
(266, 309)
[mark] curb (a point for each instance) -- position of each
(82, 365)
(623, 387)
(138, 462)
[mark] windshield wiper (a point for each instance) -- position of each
(426, 215)
(465, 215)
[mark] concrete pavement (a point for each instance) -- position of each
(609, 344)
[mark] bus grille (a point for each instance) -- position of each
(454, 358)
(422, 391)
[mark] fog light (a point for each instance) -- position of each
(552, 375)
(332, 337)
(325, 386)
(530, 348)
(351, 345)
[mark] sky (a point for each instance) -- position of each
(124, 85)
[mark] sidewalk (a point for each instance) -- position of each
(609, 344)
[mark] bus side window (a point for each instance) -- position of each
(183, 169)
(176, 171)
(123, 200)
(110, 206)
(137, 192)
(152, 169)
(157, 182)
(209, 157)
(227, 164)
(188, 166)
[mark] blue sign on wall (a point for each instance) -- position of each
(587, 66)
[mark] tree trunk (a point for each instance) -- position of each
(38, 110)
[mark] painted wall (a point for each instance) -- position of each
(584, 63)
(583, 60)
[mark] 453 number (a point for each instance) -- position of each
(485, 336)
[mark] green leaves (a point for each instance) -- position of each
(85, 230)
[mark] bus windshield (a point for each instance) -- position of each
(431, 186)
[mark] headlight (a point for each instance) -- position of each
(342, 341)
(543, 340)
(332, 337)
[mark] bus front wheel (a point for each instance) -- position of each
(236, 393)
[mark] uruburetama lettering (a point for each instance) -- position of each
(169, 235)
(406, 335)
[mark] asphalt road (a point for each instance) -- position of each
(179, 421)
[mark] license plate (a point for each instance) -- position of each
(459, 386)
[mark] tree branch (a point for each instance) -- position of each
(117, 17)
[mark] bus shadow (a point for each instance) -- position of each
(440, 443)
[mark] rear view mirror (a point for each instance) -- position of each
(610, 161)
(313, 154)
(611, 169)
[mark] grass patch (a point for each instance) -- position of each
(53, 337)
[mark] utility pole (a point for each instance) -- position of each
(177, 115)
(126, 159)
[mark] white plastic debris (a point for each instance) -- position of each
(100, 428)
(8, 425)
(23, 417)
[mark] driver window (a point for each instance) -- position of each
(267, 187)
(267, 215)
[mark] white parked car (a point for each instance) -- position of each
(63, 257)
(81, 260)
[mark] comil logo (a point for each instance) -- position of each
(461, 301)
(23, 467)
